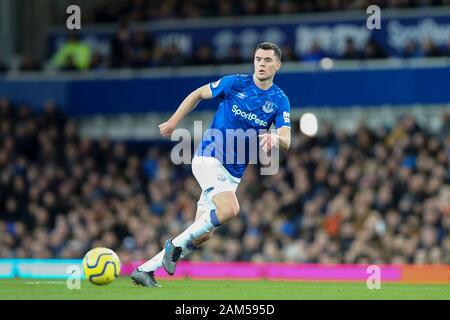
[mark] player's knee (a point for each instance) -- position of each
(227, 212)
(235, 209)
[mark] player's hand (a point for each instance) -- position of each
(166, 128)
(268, 140)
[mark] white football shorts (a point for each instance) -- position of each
(213, 179)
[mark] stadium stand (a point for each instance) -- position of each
(129, 48)
(374, 196)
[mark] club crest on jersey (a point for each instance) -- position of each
(268, 107)
(221, 177)
(215, 84)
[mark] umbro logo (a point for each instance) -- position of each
(241, 95)
(215, 84)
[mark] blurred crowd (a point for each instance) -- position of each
(373, 196)
(131, 48)
(139, 50)
(143, 10)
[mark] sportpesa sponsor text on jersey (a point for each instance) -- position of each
(243, 106)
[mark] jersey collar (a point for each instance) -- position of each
(259, 90)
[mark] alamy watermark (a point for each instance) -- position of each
(74, 280)
(374, 280)
(231, 146)
(374, 20)
(73, 22)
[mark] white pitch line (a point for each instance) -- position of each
(45, 282)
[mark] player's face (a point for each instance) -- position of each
(266, 64)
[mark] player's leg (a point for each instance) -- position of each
(199, 232)
(219, 186)
(204, 205)
(210, 214)
(156, 261)
(227, 207)
(199, 241)
(221, 199)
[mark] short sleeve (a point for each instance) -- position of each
(283, 117)
(221, 87)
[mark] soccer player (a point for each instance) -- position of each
(247, 102)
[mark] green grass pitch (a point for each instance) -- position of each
(123, 289)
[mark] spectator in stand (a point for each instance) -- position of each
(69, 64)
(226, 8)
(233, 55)
(411, 50)
(192, 10)
(142, 46)
(172, 56)
(204, 55)
(98, 62)
(287, 7)
(157, 57)
(314, 54)
(72, 55)
(306, 6)
(135, 10)
(430, 49)
(250, 7)
(270, 7)
(3, 67)
(28, 63)
(337, 5)
(373, 50)
(444, 131)
(288, 53)
(448, 46)
(350, 51)
(121, 48)
(105, 11)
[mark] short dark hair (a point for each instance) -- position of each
(270, 46)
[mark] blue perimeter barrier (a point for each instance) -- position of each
(333, 88)
(38, 268)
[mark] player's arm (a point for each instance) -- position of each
(283, 124)
(188, 104)
(282, 138)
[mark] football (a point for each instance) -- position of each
(101, 266)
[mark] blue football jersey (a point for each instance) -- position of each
(243, 106)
